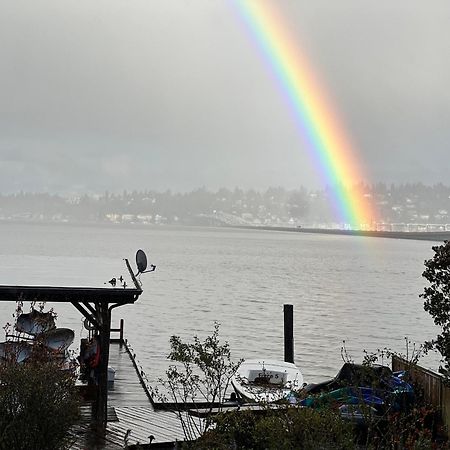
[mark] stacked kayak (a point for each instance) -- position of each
(358, 389)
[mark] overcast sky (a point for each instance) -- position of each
(146, 94)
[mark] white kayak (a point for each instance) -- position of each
(266, 380)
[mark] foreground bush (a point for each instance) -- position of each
(284, 428)
(201, 376)
(437, 300)
(38, 405)
(309, 429)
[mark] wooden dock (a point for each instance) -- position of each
(129, 408)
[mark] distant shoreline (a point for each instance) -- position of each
(435, 236)
(438, 236)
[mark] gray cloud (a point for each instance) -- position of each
(109, 94)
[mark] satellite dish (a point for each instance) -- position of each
(141, 261)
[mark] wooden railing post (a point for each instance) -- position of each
(121, 331)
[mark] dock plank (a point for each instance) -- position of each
(129, 408)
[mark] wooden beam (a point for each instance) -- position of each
(60, 294)
(133, 277)
(89, 307)
(85, 313)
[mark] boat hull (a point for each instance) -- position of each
(266, 381)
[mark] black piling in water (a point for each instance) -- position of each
(289, 333)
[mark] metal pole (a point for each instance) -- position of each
(289, 333)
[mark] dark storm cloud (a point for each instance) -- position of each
(116, 95)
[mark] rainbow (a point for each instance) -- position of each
(327, 141)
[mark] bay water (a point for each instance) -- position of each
(361, 290)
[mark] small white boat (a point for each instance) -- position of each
(266, 380)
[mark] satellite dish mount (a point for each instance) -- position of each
(141, 263)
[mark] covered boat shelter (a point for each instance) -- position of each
(96, 305)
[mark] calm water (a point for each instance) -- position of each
(361, 290)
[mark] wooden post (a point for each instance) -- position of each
(288, 333)
(121, 331)
(102, 392)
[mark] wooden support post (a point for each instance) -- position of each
(289, 333)
(102, 392)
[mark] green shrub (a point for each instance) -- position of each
(200, 376)
(282, 428)
(38, 404)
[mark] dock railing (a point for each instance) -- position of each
(120, 331)
(435, 391)
(136, 364)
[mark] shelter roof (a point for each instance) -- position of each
(66, 294)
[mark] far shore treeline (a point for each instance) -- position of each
(396, 204)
